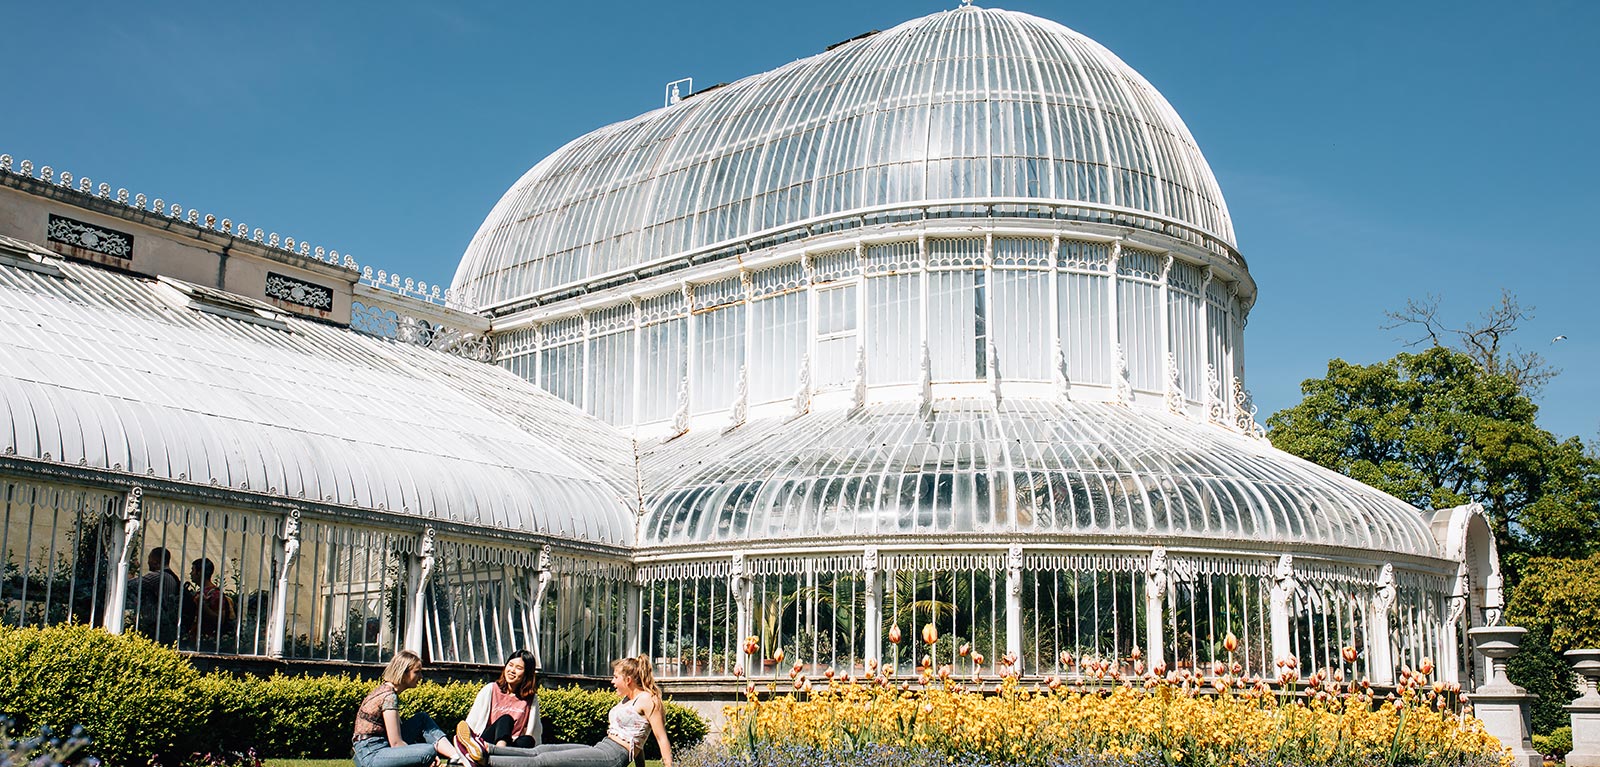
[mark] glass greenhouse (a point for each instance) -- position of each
(943, 325)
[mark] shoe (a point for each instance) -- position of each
(469, 745)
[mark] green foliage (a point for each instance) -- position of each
(574, 715)
(1558, 598)
(1541, 670)
(139, 699)
(130, 694)
(1437, 430)
(446, 703)
(1556, 744)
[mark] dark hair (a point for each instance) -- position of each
(162, 553)
(207, 568)
(528, 685)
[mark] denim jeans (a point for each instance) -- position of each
(419, 733)
(606, 753)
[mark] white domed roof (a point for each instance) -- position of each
(963, 105)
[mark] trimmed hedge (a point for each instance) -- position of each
(140, 699)
(132, 696)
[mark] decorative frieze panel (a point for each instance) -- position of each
(299, 292)
(386, 323)
(90, 237)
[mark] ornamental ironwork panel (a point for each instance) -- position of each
(98, 239)
(300, 292)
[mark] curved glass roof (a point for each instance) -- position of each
(961, 105)
(1034, 467)
(101, 371)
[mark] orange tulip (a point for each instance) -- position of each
(1349, 653)
(929, 634)
(894, 635)
(1426, 667)
(777, 657)
(1230, 642)
(964, 649)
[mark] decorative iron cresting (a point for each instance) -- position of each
(387, 323)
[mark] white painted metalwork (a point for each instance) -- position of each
(102, 372)
(962, 105)
(973, 468)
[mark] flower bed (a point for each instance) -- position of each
(1102, 718)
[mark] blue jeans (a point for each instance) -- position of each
(606, 753)
(419, 733)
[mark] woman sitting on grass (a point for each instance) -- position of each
(381, 739)
(506, 711)
(639, 713)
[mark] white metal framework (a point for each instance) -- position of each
(965, 105)
(943, 325)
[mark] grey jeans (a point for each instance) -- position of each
(606, 753)
(419, 733)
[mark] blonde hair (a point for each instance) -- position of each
(401, 664)
(638, 671)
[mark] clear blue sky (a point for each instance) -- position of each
(1369, 152)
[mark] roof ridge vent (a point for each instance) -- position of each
(25, 255)
(188, 295)
(863, 35)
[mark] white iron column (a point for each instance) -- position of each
(874, 616)
(633, 633)
(1454, 628)
(286, 548)
(541, 589)
(1014, 605)
(1155, 594)
(1380, 650)
(421, 574)
(743, 598)
(1284, 588)
(117, 596)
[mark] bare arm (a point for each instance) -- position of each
(653, 711)
(391, 727)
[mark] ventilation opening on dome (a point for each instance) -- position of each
(868, 33)
(707, 89)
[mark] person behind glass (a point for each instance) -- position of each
(212, 609)
(381, 739)
(154, 597)
(633, 719)
(506, 711)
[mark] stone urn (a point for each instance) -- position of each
(1585, 710)
(1498, 644)
(1586, 663)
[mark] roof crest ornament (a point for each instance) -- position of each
(433, 294)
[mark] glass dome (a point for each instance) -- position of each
(964, 105)
(971, 470)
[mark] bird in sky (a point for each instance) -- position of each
(1558, 338)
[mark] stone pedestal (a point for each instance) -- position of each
(1585, 711)
(1504, 708)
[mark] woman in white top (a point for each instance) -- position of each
(629, 723)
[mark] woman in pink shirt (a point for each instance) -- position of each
(506, 711)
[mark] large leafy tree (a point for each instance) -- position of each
(1438, 429)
